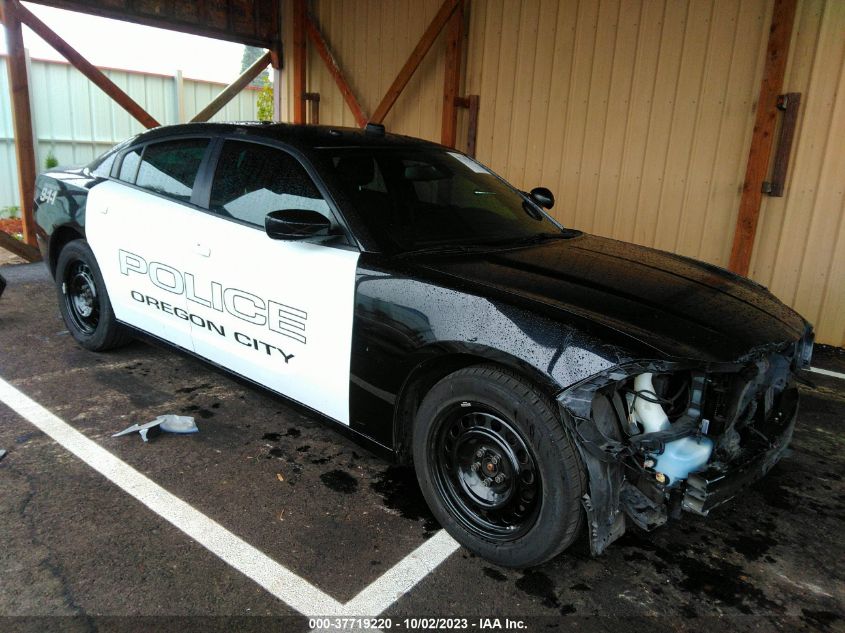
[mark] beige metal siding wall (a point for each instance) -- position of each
(636, 113)
(800, 248)
(371, 40)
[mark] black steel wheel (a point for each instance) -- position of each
(497, 467)
(80, 294)
(486, 472)
(84, 301)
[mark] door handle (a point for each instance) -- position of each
(202, 250)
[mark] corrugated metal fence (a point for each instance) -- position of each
(76, 121)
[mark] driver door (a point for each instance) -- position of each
(281, 310)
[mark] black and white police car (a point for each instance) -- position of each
(541, 380)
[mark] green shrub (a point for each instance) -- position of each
(51, 161)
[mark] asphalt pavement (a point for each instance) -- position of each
(240, 525)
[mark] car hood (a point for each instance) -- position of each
(679, 307)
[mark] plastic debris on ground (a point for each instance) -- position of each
(2, 453)
(170, 423)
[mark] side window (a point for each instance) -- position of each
(171, 167)
(103, 165)
(129, 165)
(252, 180)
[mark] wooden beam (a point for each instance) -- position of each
(276, 58)
(233, 89)
(21, 249)
(472, 125)
(313, 99)
(789, 105)
(423, 46)
(452, 83)
(251, 22)
(298, 61)
(22, 116)
(83, 65)
(328, 58)
(777, 50)
(471, 103)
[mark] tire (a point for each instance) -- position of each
(487, 420)
(84, 302)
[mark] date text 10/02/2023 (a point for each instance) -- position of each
(417, 624)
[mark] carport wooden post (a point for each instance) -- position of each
(22, 115)
(452, 83)
(777, 51)
(299, 61)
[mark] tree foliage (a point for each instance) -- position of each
(265, 100)
(250, 56)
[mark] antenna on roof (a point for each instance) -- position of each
(375, 129)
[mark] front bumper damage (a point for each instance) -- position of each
(720, 483)
(622, 491)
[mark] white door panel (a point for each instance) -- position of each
(139, 240)
(284, 308)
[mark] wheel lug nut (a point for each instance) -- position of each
(476, 466)
(479, 453)
(494, 460)
(487, 482)
(499, 478)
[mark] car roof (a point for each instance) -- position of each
(303, 137)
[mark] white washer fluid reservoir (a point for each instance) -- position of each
(681, 457)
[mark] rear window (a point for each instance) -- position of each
(102, 168)
(129, 165)
(103, 165)
(170, 168)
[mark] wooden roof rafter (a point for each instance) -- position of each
(251, 22)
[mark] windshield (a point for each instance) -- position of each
(413, 199)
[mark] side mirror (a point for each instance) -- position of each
(295, 224)
(543, 197)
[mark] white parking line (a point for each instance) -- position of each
(402, 577)
(291, 589)
(827, 372)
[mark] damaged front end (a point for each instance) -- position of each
(660, 437)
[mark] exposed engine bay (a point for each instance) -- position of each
(660, 438)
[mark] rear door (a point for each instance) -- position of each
(285, 307)
(138, 226)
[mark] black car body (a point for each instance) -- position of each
(575, 316)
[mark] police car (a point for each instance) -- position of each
(543, 382)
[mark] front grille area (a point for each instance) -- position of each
(739, 404)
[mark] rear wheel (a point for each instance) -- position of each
(497, 467)
(84, 302)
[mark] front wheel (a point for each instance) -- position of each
(497, 467)
(84, 302)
